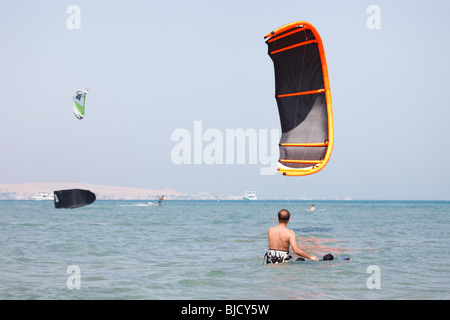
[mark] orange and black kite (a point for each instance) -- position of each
(302, 92)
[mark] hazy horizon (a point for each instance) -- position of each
(127, 192)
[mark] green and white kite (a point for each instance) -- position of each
(79, 101)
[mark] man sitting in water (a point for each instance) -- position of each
(280, 237)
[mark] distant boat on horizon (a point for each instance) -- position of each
(249, 196)
(43, 196)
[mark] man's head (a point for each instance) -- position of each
(284, 216)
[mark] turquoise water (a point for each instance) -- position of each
(214, 250)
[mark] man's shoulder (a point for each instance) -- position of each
(291, 232)
(281, 230)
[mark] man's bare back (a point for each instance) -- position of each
(280, 237)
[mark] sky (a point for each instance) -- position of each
(158, 68)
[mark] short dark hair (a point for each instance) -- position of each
(284, 215)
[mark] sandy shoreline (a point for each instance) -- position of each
(26, 191)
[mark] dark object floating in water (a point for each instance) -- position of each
(73, 198)
(328, 256)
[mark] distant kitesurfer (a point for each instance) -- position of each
(280, 238)
(312, 209)
(160, 200)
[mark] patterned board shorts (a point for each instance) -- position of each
(277, 256)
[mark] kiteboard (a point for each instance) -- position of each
(327, 257)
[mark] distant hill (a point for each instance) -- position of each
(26, 191)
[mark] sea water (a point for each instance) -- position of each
(215, 249)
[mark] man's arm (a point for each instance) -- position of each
(296, 248)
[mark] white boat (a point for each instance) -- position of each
(43, 196)
(250, 195)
